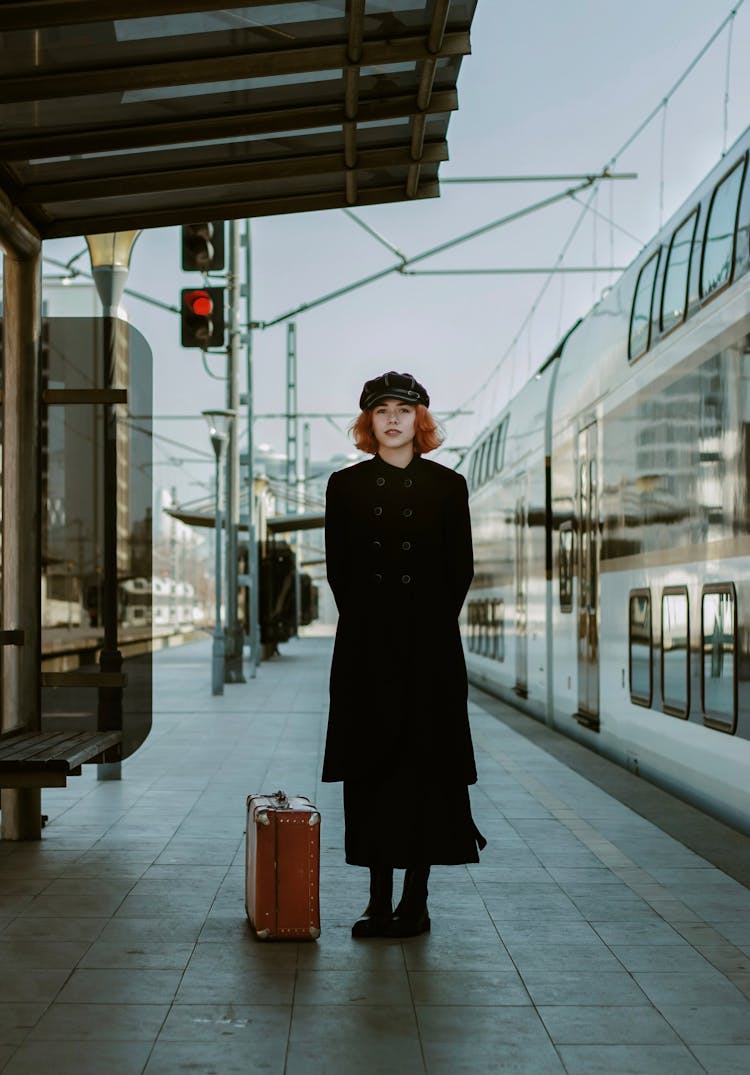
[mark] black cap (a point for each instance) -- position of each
(393, 386)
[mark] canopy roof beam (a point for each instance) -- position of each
(178, 179)
(35, 14)
(298, 117)
(220, 67)
(292, 203)
(435, 39)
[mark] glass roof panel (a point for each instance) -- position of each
(162, 93)
(169, 37)
(237, 18)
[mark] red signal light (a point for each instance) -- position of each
(201, 303)
(202, 317)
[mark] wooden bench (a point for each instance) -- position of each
(47, 759)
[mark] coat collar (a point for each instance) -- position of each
(388, 468)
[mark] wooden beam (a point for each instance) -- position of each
(36, 14)
(89, 396)
(220, 67)
(18, 236)
(438, 24)
(176, 179)
(356, 18)
(165, 216)
(435, 38)
(350, 184)
(84, 679)
(193, 128)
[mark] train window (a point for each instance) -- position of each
(500, 446)
(719, 657)
(675, 651)
(498, 650)
(640, 318)
(472, 625)
(676, 275)
(721, 229)
(639, 647)
(484, 472)
(473, 470)
(566, 567)
(480, 464)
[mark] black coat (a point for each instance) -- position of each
(400, 561)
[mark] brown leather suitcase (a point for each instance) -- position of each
(282, 867)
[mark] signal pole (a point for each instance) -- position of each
(233, 656)
(252, 533)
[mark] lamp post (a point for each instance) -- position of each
(219, 426)
(110, 263)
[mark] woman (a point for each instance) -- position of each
(399, 561)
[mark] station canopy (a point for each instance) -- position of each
(125, 114)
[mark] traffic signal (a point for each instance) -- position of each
(203, 246)
(202, 316)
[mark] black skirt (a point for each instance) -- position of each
(392, 821)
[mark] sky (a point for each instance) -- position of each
(549, 88)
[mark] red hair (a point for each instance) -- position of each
(427, 433)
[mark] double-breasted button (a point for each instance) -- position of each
(406, 579)
(408, 483)
(406, 545)
(377, 511)
(380, 481)
(377, 577)
(377, 545)
(407, 513)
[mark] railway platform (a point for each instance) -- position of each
(606, 929)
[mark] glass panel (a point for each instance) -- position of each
(640, 647)
(719, 656)
(718, 248)
(675, 652)
(640, 321)
(674, 297)
(566, 568)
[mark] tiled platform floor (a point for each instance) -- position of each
(587, 941)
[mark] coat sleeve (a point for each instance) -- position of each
(460, 549)
(336, 544)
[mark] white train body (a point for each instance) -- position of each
(611, 513)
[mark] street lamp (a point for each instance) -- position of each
(219, 426)
(110, 263)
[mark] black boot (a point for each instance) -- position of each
(379, 912)
(410, 917)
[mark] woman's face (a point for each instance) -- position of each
(393, 423)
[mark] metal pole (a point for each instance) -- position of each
(292, 452)
(252, 534)
(233, 658)
(21, 527)
(110, 658)
(218, 648)
(291, 413)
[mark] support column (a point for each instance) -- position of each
(234, 634)
(21, 526)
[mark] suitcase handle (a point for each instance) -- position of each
(283, 800)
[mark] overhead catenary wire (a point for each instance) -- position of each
(587, 206)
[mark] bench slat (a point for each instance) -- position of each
(29, 744)
(60, 751)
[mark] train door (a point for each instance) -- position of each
(588, 579)
(522, 637)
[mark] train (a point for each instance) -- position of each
(611, 515)
(158, 602)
